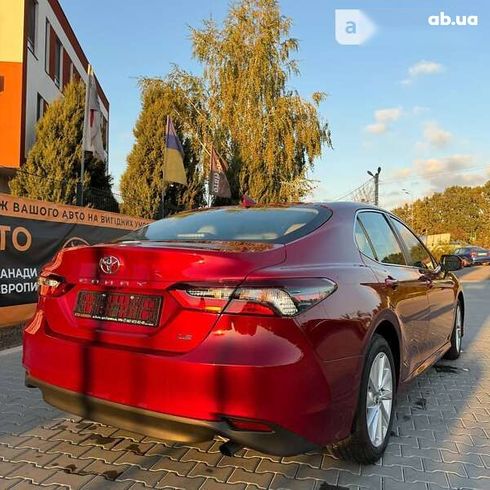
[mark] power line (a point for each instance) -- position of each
(360, 190)
(349, 193)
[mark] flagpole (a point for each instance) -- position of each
(164, 165)
(201, 114)
(84, 135)
(203, 146)
(209, 179)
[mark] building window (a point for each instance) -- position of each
(31, 24)
(57, 62)
(47, 36)
(41, 107)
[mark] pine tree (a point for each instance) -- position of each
(52, 169)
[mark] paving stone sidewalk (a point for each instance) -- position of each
(441, 439)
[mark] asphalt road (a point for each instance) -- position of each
(441, 437)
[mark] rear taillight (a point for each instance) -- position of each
(52, 285)
(473, 254)
(210, 299)
(284, 298)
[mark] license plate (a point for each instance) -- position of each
(482, 254)
(136, 309)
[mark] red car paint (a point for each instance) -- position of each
(299, 374)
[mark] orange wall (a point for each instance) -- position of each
(10, 114)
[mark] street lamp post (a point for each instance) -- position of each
(375, 176)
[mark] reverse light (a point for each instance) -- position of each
(278, 298)
(262, 301)
(52, 285)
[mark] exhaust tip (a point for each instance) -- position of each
(230, 448)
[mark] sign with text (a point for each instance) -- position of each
(31, 232)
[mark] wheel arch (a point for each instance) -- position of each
(387, 326)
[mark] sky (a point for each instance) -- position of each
(414, 98)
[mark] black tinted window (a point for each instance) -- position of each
(276, 225)
(385, 244)
(363, 241)
(418, 255)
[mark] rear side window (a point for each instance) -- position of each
(271, 224)
(384, 241)
(418, 255)
(363, 241)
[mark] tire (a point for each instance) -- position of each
(365, 445)
(457, 335)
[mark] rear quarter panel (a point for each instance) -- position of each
(339, 327)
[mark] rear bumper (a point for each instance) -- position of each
(279, 441)
(245, 369)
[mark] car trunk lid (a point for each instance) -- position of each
(146, 272)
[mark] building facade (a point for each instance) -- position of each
(39, 55)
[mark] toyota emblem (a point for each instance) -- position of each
(109, 264)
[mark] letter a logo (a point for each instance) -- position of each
(352, 27)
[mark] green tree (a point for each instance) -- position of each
(270, 135)
(464, 212)
(52, 169)
(142, 182)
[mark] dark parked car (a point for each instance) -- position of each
(474, 255)
(281, 328)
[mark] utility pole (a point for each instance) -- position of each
(376, 185)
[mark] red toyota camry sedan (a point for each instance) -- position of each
(280, 328)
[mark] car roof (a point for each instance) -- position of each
(345, 206)
(354, 206)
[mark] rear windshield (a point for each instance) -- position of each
(272, 224)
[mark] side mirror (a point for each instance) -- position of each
(451, 263)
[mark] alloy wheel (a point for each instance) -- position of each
(379, 399)
(458, 328)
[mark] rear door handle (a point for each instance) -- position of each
(391, 282)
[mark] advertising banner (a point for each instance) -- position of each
(31, 232)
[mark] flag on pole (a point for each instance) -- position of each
(174, 170)
(92, 141)
(218, 183)
(247, 202)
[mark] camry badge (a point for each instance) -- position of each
(109, 264)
